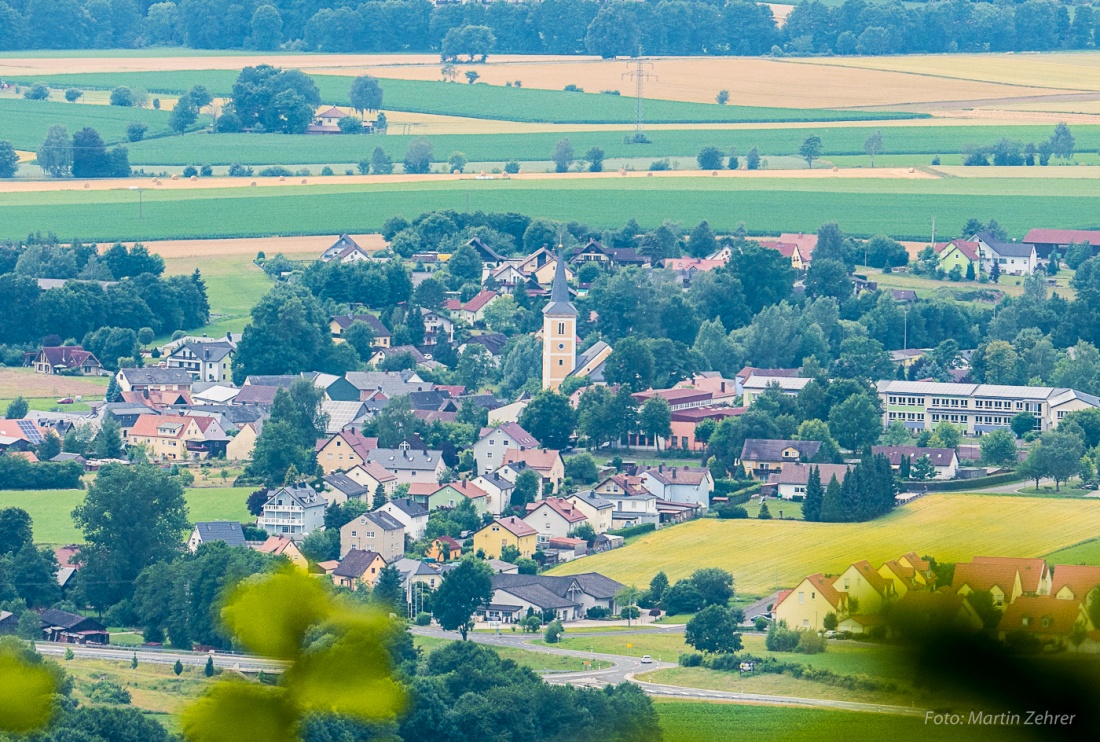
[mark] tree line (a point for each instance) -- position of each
(681, 27)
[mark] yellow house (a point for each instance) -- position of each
(806, 606)
(862, 583)
(904, 578)
(545, 274)
(922, 568)
(443, 549)
(345, 450)
(510, 531)
(241, 445)
(282, 546)
(176, 437)
(370, 475)
(1073, 582)
(1006, 578)
(358, 568)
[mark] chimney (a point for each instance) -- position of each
(660, 468)
(674, 472)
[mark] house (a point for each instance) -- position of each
(977, 408)
(589, 363)
(1047, 241)
(806, 606)
(241, 445)
(567, 598)
(596, 509)
(903, 579)
(688, 268)
(758, 383)
(493, 342)
(493, 442)
(285, 547)
(378, 532)
(945, 460)
(381, 355)
(502, 568)
(409, 465)
(547, 463)
(443, 549)
(791, 479)
(20, 435)
(722, 390)
(211, 361)
(507, 531)
(680, 484)
(412, 515)
(345, 450)
(961, 254)
(67, 359)
(341, 322)
(865, 588)
(153, 378)
(214, 394)
(415, 576)
(1044, 617)
(71, 628)
(358, 568)
(9, 623)
(345, 250)
(1006, 578)
(372, 476)
(631, 509)
(1073, 582)
(761, 456)
(293, 511)
(498, 491)
(748, 371)
(226, 531)
(1012, 258)
(452, 495)
(177, 437)
(553, 517)
(388, 384)
(473, 311)
(922, 609)
(437, 328)
(339, 488)
(490, 258)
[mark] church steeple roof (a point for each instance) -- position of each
(560, 305)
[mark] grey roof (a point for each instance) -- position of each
(227, 531)
(560, 304)
(305, 495)
(498, 481)
(155, 375)
(256, 394)
(66, 620)
(592, 583)
(345, 484)
(534, 593)
(66, 456)
(1007, 249)
(281, 380)
(395, 458)
(591, 498)
(761, 449)
(593, 351)
(414, 567)
(345, 321)
(212, 351)
(390, 383)
(409, 507)
(493, 342)
(499, 565)
(355, 563)
(342, 414)
(429, 400)
(236, 414)
(385, 521)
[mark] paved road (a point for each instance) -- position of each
(623, 669)
(242, 663)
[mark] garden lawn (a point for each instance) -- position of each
(25, 123)
(482, 101)
(51, 510)
(897, 207)
(763, 555)
(694, 721)
(539, 662)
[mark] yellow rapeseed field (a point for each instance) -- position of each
(764, 554)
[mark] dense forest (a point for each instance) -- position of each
(668, 27)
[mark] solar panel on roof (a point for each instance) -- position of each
(30, 431)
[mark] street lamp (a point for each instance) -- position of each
(139, 190)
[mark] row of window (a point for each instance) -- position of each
(911, 416)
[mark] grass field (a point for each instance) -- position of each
(898, 207)
(42, 391)
(51, 510)
(839, 141)
(24, 123)
(479, 101)
(538, 661)
(1087, 552)
(763, 555)
(233, 286)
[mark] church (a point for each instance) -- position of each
(559, 338)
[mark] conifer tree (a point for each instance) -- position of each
(811, 507)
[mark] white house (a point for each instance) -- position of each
(680, 484)
(208, 361)
(791, 480)
(371, 475)
(632, 510)
(294, 512)
(494, 441)
(569, 597)
(1012, 258)
(597, 509)
(408, 513)
(553, 518)
(498, 491)
(226, 531)
(945, 460)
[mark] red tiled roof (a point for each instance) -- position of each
(1040, 614)
(469, 489)
(1079, 579)
(479, 301)
(514, 431)
(807, 243)
(564, 508)
(540, 459)
(823, 585)
(797, 473)
(274, 545)
(149, 425)
(69, 356)
(515, 526)
(1062, 236)
(1031, 570)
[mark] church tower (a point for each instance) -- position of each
(559, 331)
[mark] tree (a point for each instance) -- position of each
(922, 469)
(810, 149)
(55, 156)
(178, 668)
(999, 448)
(657, 587)
(554, 630)
(594, 157)
(350, 125)
(1022, 423)
(714, 585)
(380, 498)
(722, 98)
(625, 599)
(811, 505)
(945, 435)
(9, 161)
(208, 670)
(91, 159)
(549, 418)
(1062, 141)
(683, 597)
(710, 158)
(17, 409)
(856, 422)
(366, 94)
(713, 630)
(360, 336)
(122, 96)
(563, 156)
(463, 590)
(873, 145)
(752, 159)
(183, 115)
(631, 364)
(34, 574)
(132, 517)
(15, 530)
(826, 277)
(389, 591)
(267, 28)
(1059, 455)
(276, 99)
(526, 489)
(418, 156)
(381, 163)
(655, 419)
(49, 447)
(108, 441)
(457, 161)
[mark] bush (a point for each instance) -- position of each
(135, 131)
(554, 632)
(691, 659)
(597, 613)
(810, 642)
(38, 91)
(122, 96)
(206, 171)
(239, 171)
(657, 165)
(511, 167)
(781, 638)
(350, 125)
(634, 530)
(730, 512)
(228, 123)
(276, 171)
(423, 619)
(73, 95)
(326, 171)
(760, 623)
(104, 691)
(16, 473)
(190, 170)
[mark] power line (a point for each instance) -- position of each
(639, 75)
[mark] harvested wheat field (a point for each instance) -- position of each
(1054, 71)
(290, 246)
(750, 81)
(764, 554)
(24, 382)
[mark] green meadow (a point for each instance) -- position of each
(480, 101)
(862, 206)
(24, 123)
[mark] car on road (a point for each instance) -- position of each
(646, 659)
(65, 400)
